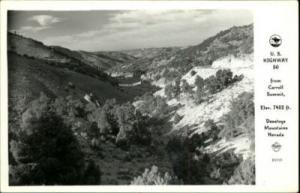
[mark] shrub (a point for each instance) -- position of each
(154, 106)
(212, 84)
(105, 117)
(193, 72)
(185, 87)
(199, 95)
(244, 173)
(225, 164)
(153, 177)
(213, 129)
(171, 74)
(92, 174)
(53, 149)
(193, 166)
(172, 90)
(224, 77)
(70, 109)
(199, 82)
(46, 151)
(240, 119)
(188, 165)
(221, 80)
(127, 123)
(169, 91)
(177, 118)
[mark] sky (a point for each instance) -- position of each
(110, 30)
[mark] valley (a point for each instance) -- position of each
(151, 116)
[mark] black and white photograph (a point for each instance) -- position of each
(131, 97)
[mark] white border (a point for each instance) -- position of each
(279, 17)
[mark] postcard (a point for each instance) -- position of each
(149, 96)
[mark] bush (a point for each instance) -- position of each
(213, 129)
(105, 118)
(199, 95)
(193, 166)
(154, 106)
(221, 80)
(213, 85)
(46, 151)
(224, 77)
(171, 75)
(193, 72)
(185, 87)
(199, 82)
(169, 91)
(244, 173)
(172, 90)
(177, 118)
(153, 177)
(200, 92)
(53, 149)
(240, 119)
(122, 123)
(127, 123)
(182, 152)
(92, 174)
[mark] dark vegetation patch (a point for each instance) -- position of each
(113, 138)
(58, 138)
(204, 87)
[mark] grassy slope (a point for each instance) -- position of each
(98, 60)
(28, 77)
(233, 41)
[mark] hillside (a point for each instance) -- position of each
(174, 62)
(100, 61)
(150, 52)
(181, 115)
(57, 71)
(29, 77)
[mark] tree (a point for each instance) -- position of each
(54, 150)
(169, 91)
(185, 87)
(224, 77)
(46, 150)
(200, 92)
(153, 177)
(240, 118)
(192, 72)
(172, 90)
(212, 84)
(177, 87)
(199, 82)
(154, 106)
(244, 173)
(199, 95)
(126, 121)
(92, 174)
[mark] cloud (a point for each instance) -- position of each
(45, 20)
(154, 28)
(141, 23)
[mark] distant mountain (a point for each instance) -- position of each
(98, 60)
(150, 52)
(34, 67)
(233, 41)
(147, 58)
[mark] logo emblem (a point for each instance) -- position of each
(275, 40)
(276, 147)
